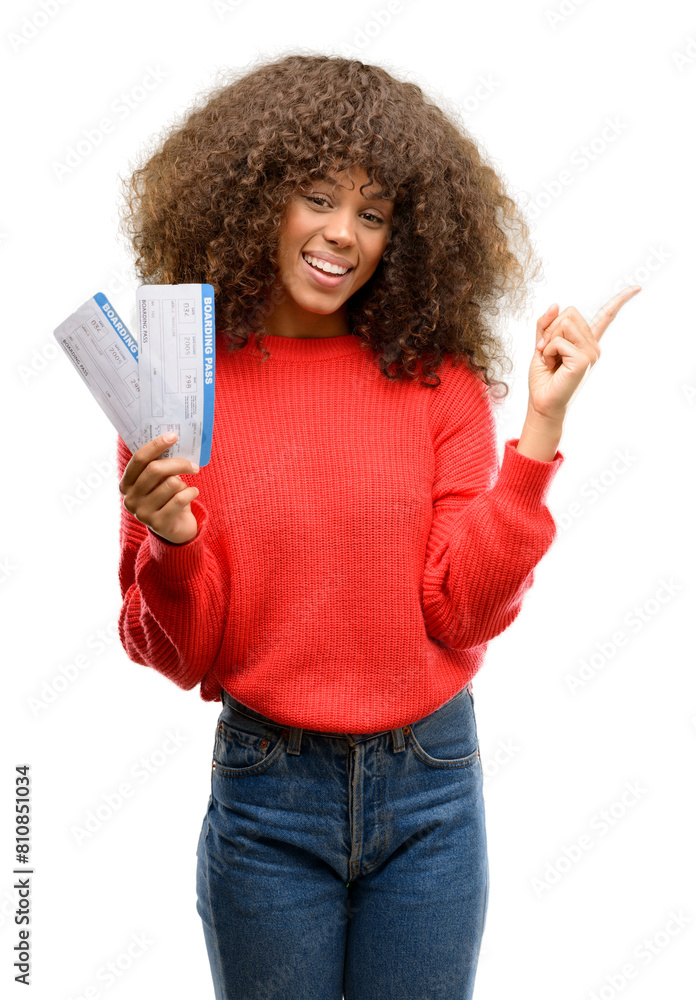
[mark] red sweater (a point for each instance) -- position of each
(358, 543)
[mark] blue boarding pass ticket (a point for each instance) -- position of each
(105, 355)
(177, 366)
(181, 361)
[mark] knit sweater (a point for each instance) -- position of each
(358, 543)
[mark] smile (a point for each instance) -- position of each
(323, 278)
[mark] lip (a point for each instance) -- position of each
(329, 258)
(325, 280)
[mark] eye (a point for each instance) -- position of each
(320, 198)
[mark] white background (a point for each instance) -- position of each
(538, 82)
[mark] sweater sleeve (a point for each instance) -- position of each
(490, 526)
(175, 597)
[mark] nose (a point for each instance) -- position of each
(339, 228)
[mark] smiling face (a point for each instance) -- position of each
(343, 225)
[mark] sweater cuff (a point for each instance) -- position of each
(184, 560)
(527, 479)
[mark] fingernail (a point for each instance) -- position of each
(169, 437)
(195, 467)
(540, 344)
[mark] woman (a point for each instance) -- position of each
(352, 546)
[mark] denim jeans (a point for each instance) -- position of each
(348, 866)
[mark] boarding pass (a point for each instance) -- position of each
(166, 381)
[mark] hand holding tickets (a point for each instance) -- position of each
(156, 495)
(164, 383)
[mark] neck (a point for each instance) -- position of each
(290, 320)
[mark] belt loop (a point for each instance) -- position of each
(398, 741)
(294, 741)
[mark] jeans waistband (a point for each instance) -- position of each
(397, 732)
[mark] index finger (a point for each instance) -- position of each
(603, 317)
(141, 458)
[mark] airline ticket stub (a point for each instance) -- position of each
(177, 366)
(105, 355)
(165, 383)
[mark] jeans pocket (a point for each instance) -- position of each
(245, 746)
(447, 737)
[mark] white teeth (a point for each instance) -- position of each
(325, 266)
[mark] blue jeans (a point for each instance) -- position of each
(348, 866)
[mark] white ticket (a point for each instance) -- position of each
(105, 355)
(177, 366)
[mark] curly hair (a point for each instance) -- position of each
(207, 203)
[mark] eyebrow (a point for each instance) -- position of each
(367, 197)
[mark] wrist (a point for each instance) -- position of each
(540, 436)
(543, 421)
